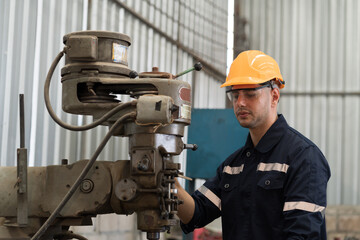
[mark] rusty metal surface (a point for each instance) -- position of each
(155, 73)
(81, 202)
(8, 193)
(126, 86)
(100, 34)
(148, 194)
(13, 233)
(48, 185)
(22, 186)
(125, 189)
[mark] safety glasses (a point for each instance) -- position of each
(248, 93)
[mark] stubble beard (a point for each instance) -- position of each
(246, 122)
(250, 121)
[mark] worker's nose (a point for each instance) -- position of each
(240, 101)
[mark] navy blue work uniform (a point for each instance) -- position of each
(274, 191)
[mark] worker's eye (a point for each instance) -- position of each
(235, 95)
(243, 93)
(250, 94)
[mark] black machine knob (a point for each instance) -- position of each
(198, 66)
(133, 74)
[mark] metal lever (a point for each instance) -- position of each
(191, 146)
(22, 198)
(197, 66)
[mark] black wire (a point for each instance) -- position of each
(84, 172)
(57, 119)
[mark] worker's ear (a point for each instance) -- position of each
(275, 97)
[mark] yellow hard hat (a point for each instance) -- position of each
(253, 67)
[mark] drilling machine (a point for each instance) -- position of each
(43, 202)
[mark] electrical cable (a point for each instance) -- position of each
(57, 119)
(81, 177)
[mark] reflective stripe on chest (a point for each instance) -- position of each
(263, 167)
(233, 170)
(266, 167)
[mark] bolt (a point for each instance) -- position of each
(64, 162)
(143, 165)
(133, 74)
(198, 66)
(87, 186)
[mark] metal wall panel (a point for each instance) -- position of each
(172, 35)
(316, 44)
(39, 27)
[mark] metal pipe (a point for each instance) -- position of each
(22, 121)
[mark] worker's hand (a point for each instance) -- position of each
(185, 210)
(177, 184)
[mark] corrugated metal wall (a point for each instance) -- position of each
(172, 35)
(316, 44)
(31, 35)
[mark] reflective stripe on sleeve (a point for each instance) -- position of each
(211, 196)
(233, 170)
(305, 206)
(280, 167)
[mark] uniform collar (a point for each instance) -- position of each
(271, 137)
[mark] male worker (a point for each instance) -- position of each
(275, 186)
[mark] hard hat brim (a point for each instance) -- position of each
(248, 80)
